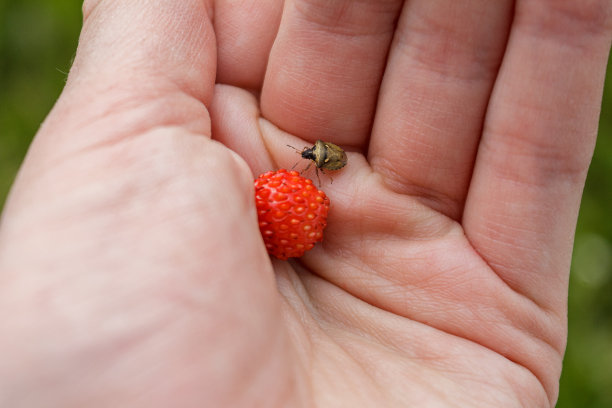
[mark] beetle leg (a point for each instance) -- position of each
(317, 173)
(331, 179)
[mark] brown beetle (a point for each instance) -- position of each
(325, 155)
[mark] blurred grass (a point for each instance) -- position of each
(37, 43)
(587, 369)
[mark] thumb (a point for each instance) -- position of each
(145, 57)
(126, 147)
(139, 66)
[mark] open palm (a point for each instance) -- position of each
(133, 273)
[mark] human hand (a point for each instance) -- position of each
(132, 269)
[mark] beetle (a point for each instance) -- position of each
(325, 156)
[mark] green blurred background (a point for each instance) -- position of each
(37, 43)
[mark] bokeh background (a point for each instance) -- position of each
(38, 39)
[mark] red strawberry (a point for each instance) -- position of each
(292, 213)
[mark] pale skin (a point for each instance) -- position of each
(132, 272)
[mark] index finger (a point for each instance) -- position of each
(325, 67)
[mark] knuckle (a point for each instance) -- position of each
(571, 19)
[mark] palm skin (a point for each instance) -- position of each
(133, 273)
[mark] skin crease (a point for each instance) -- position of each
(132, 272)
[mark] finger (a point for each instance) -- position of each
(236, 123)
(434, 94)
(245, 31)
(138, 66)
(325, 68)
(537, 143)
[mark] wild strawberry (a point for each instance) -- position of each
(292, 213)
